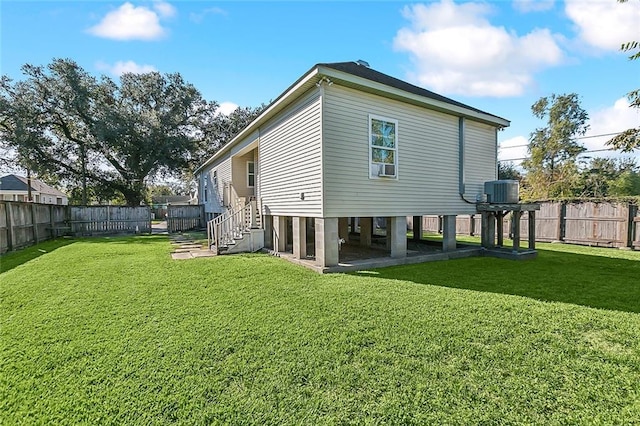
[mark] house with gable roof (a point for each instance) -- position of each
(345, 144)
(16, 188)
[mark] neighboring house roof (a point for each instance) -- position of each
(19, 183)
(361, 77)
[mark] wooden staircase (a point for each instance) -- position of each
(238, 230)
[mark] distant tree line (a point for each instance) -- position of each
(553, 168)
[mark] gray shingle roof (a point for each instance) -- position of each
(19, 183)
(358, 70)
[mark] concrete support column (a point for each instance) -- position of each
(268, 231)
(488, 231)
(327, 241)
(366, 229)
(279, 233)
(417, 228)
(343, 228)
(397, 235)
(449, 233)
(300, 237)
(353, 224)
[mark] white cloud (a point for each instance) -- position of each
(123, 67)
(226, 108)
(613, 119)
(605, 24)
(456, 50)
(606, 121)
(129, 22)
(164, 9)
(198, 17)
(513, 150)
(525, 6)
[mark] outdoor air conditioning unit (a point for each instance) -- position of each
(387, 170)
(502, 191)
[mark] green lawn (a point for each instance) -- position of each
(112, 331)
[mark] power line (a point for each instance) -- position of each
(580, 137)
(582, 153)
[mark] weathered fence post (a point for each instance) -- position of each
(631, 224)
(10, 234)
(562, 224)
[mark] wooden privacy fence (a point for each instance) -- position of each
(185, 218)
(606, 224)
(107, 220)
(23, 224)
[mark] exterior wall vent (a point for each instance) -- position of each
(502, 191)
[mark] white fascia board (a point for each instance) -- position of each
(281, 101)
(383, 90)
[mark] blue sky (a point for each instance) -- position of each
(499, 56)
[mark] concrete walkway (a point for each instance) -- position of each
(186, 248)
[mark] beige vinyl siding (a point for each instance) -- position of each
(427, 159)
(290, 160)
(223, 167)
(480, 157)
(239, 173)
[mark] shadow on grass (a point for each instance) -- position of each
(593, 281)
(125, 239)
(13, 259)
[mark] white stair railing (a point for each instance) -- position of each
(231, 225)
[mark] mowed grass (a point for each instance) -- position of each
(112, 331)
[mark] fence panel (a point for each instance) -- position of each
(185, 218)
(548, 222)
(431, 224)
(599, 224)
(22, 224)
(101, 220)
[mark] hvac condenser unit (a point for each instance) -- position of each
(502, 191)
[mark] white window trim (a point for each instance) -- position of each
(371, 146)
(254, 174)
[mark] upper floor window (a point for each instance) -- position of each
(251, 174)
(383, 147)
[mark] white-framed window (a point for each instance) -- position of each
(205, 189)
(383, 147)
(251, 174)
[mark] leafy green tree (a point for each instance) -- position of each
(93, 132)
(508, 171)
(626, 184)
(629, 140)
(595, 178)
(551, 167)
